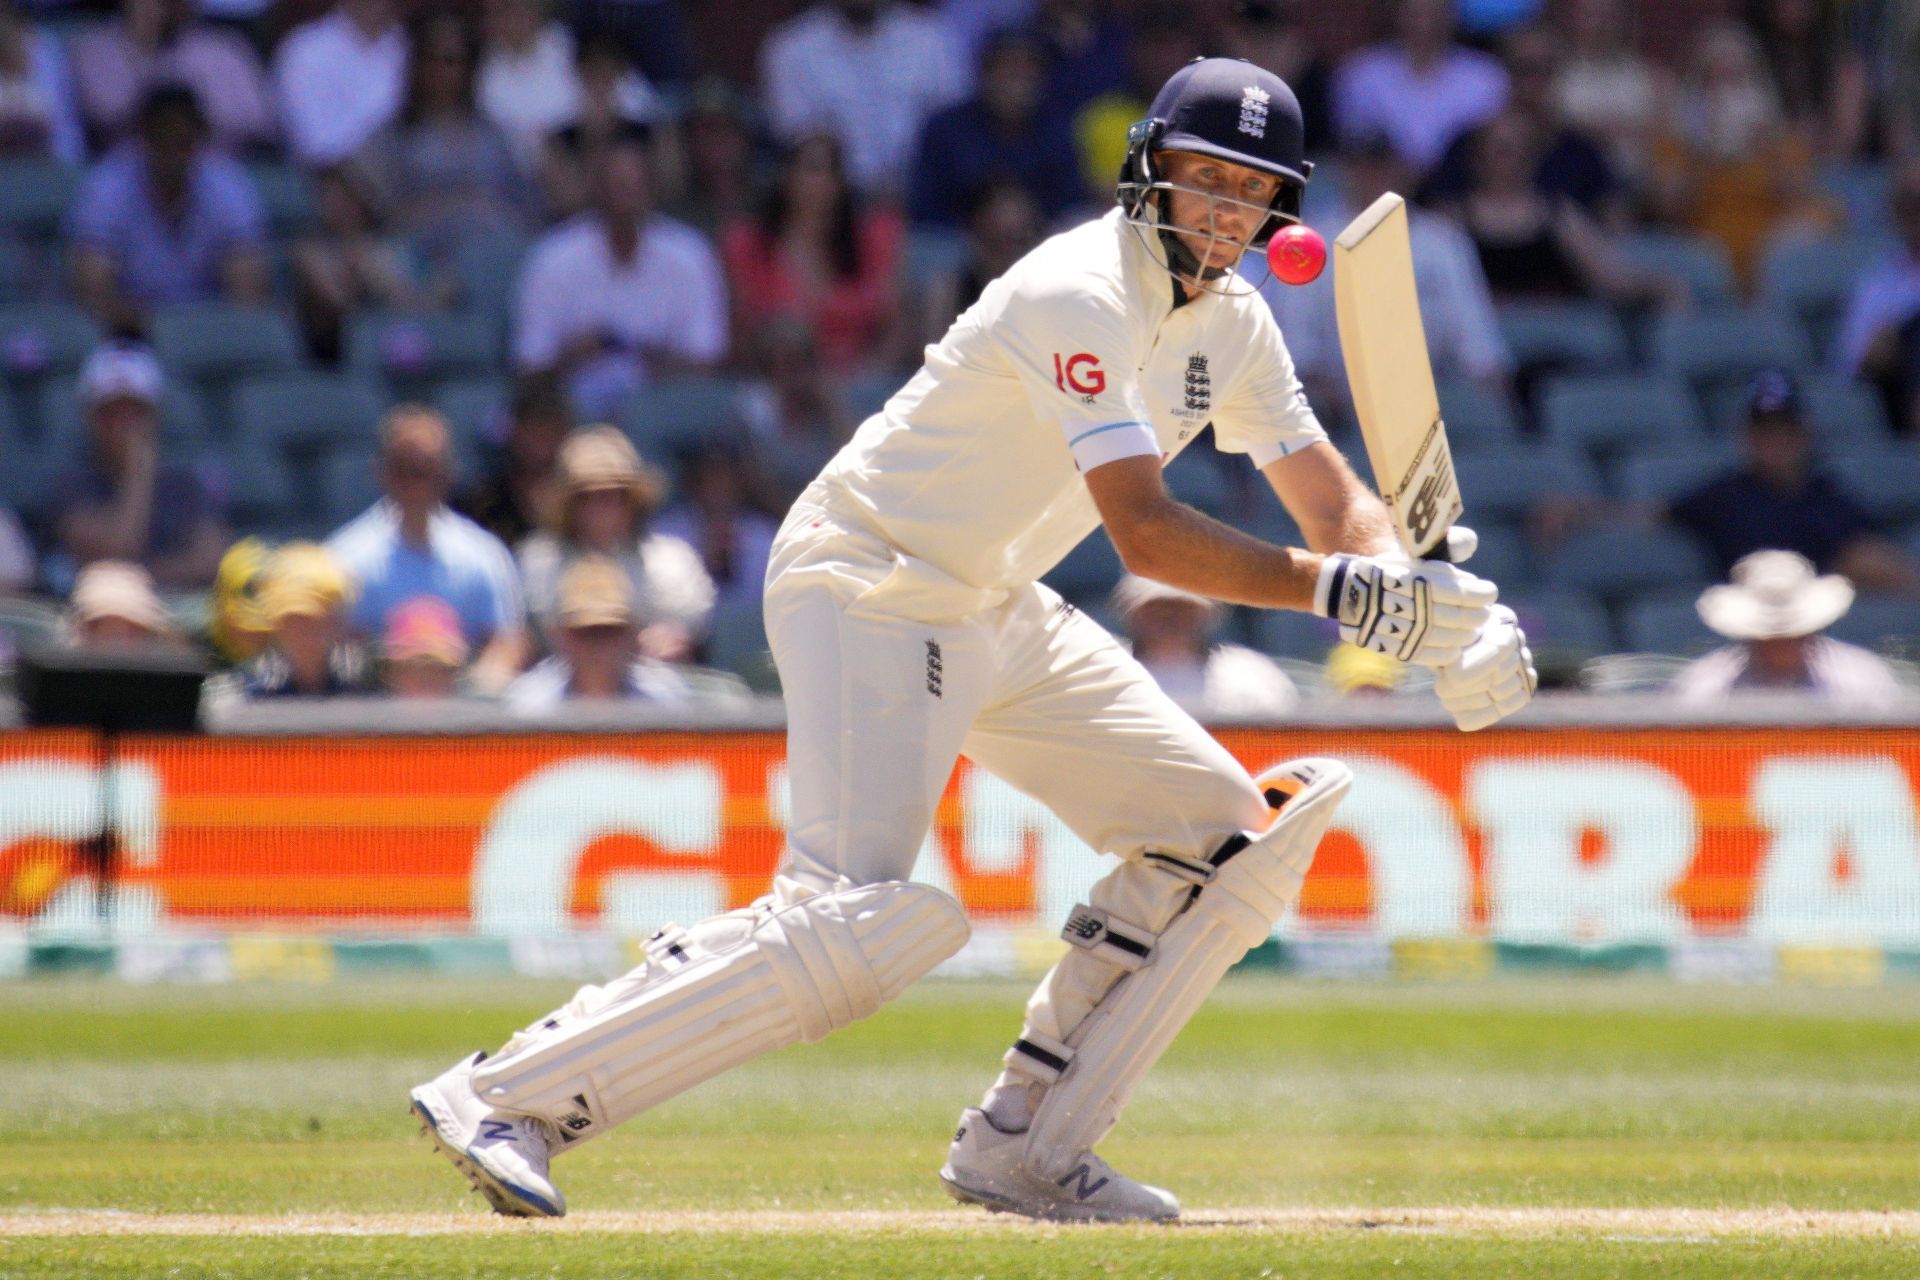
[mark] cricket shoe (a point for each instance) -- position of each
(987, 1166)
(503, 1153)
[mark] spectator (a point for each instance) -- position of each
(340, 78)
(1572, 168)
(718, 519)
(651, 36)
(528, 84)
(1419, 88)
(816, 254)
(793, 411)
(1164, 40)
(620, 294)
(1606, 89)
(1821, 77)
(718, 144)
(1087, 50)
(521, 493)
(1780, 498)
(1171, 633)
(1006, 132)
(608, 495)
(1880, 335)
(869, 72)
(422, 652)
(37, 112)
(596, 644)
(614, 105)
(443, 170)
(1353, 672)
(161, 41)
(165, 219)
(113, 609)
(16, 554)
(1774, 611)
(409, 544)
(303, 598)
(351, 262)
(1534, 246)
(1463, 335)
(1002, 225)
(236, 627)
(1729, 168)
(125, 502)
(1270, 34)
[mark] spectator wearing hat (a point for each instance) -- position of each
(113, 608)
(596, 644)
(164, 218)
(1774, 611)
(422, 652)
(164, 40)
(410, 544)
(1780, 497)
(303, 599)
(1172, 634)
(608, 495)
(236, 627)
(620, 294)
(123, 502)
(520, 492)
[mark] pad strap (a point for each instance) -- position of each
(1040, 1057)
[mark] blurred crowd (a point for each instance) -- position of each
(446, 349)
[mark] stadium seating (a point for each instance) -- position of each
(1088, 572)
(738, 643)
(412, 354)
(1559, 623)
(1661, 477)
(1502, 486)
(1476, 418)
(1288, 633)
(477, 410)
(184, 430)
(1621, 565)
(1886, 481)
(488, 268)
(1880, 622)
(1670, 625)
(1811, 279)
(42, 338)
(286, 193)
(1609, 415)
(1841, 413)
(215, 344)
(1198, 479)
(1570, 336)
(1701, 262)
(34, 196)
(349, 483)
(931, 253)
(663, 416)
(1502, 556)
(1721, 347)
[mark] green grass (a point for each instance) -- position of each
(1610, 1093)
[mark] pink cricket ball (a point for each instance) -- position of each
(1297, 254)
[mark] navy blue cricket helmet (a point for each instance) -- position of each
(1232, 110)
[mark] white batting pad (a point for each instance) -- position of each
(792, 967)
(1237, 903)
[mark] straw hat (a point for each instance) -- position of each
(118, 589)
(600, 457)
(595, 592)
(1775, 595)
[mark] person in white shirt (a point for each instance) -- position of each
(1774, 611)
(908, 627)
(596, 652)
(340, 78)
(620, 293)
(1420, 88)
(1171, 633)
(527, 84)
(869, 72)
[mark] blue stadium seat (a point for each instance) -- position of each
(1501, 486)
(1718, 347)
(34, 196)
(183, 420)
(1668, 625)
(1607, 415)
(1476, 418)
(17, 274)
(1865, 188)
(349, 483)
(1571, 336)
(1661, 477)
(1289, 633)
(1502, 557)
(1879, 622)
(488, 268)
(214, 344)
(1840, 412)
(1088, 572)
(1886, 482)
(1619, 565)
(38, 339)
(478, 410)
(1198, 479)
(1701, 262)
(662, 416)
(737, 642)
(413, 353)
(1811, 279)
(286, 193)
(292, 412)
(930, 254)
(1559, 622)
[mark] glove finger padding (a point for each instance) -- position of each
(1425, 612)
(1493, 678)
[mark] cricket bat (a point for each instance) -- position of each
(1385, 347)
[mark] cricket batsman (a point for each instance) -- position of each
(905, 616)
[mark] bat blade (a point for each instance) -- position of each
(1385, 348)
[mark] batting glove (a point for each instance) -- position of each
(1424, 611)
(1492, 678)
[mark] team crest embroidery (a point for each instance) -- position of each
(1253, 111)
(1199, 401)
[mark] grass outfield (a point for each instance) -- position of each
(1599, 1127)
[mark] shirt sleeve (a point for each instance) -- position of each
(539, 329)
(1266, 416)
(1076, 356)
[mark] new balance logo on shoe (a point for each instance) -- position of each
(1083, 1189)
(496, 1131)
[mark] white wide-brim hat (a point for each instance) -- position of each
(1775, 595)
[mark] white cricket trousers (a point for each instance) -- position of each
(892, 669)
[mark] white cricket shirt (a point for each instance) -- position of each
(1075, 357)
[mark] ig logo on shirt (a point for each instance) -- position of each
(1068, 375)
